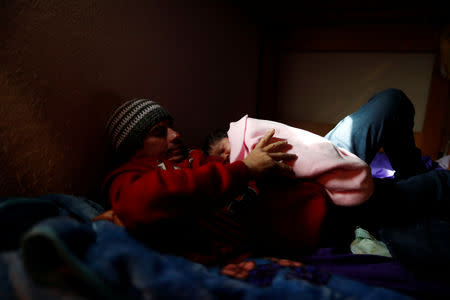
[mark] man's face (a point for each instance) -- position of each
(162, 142)
(221, 149)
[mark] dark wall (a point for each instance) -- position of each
(64, 65)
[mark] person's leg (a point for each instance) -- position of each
(387, 121)
(394, 204)
(421, 196)
(414, 222)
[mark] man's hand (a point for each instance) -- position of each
(264, 158)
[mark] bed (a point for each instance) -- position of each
(51, 249)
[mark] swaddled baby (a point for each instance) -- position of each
(295, 209)
(345, 177)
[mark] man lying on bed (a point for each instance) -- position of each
(173, 199)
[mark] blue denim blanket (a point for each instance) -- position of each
(64, 254)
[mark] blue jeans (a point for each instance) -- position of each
(412, 217)
(387, 121)
(412, 212)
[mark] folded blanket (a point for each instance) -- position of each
(19, 214)
(345, 177)
(66, 257)
(116, 266)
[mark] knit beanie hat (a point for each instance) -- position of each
(129, 124)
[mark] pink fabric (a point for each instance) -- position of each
(345, 177)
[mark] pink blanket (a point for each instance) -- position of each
(345, 177)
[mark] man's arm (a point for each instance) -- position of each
(141, 197)
(144, 198)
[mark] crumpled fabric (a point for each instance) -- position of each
(365, 243)
(116, 266)
(345, 177)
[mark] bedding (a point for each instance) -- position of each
(51, 249)
(382, 168)
(67, 256)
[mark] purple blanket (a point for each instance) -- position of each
(379, 270)
(381, 167)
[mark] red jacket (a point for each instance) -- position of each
(178, 208)
(144, 191)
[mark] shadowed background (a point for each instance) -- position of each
(64, 65)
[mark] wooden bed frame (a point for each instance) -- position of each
(382, 38)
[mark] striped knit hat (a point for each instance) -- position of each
(129, 124)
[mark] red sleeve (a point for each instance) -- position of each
(145, 197)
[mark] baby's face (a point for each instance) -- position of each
(221, 149)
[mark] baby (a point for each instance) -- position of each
(217, 145)
(321, 169)
(345, 177)
(263, 216)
